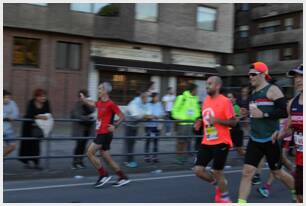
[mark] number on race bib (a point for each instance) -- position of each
(298, 139)
(211, 133)
(190, 112)
(98, 124)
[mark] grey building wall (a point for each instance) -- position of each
(51, 18)
(271, 9)
(176, 26)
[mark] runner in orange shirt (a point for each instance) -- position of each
(218, 116)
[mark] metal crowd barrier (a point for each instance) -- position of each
(47, 157)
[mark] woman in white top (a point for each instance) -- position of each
(168, 101)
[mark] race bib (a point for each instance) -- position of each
(211, 133)
(98, 124)
(190, 112)
(298, 139)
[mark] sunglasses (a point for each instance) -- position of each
(254, 74)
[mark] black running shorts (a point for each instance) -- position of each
(256, 150)
(298, 180)
(237, 136)
(216, 152)
(104, 140)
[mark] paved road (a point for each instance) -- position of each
(167, 187)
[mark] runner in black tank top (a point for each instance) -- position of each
(269, 107)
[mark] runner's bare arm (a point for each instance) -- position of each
(121, 118)
(89, 102)
(230, 122)
(274, 93)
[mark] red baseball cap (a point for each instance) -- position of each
(262, 68)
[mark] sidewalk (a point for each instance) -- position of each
(13, 169)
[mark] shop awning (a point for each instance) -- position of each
(156, 68)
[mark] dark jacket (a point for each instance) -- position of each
(30, 129)
(84, 113)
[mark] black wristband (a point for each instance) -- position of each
(280, 109)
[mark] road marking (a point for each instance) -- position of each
(91, 183)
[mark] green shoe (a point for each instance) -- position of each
(263, 192)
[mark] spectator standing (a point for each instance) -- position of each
(186, 107)
(168, 101)
(244, 99)
(84, 128)
(37, 109)
(10, 112)
(236, 132)
(136, 111)
(152, 130)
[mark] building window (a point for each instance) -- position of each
(269, 27)
(243, 31)
(125, 85)
(206, 18)
(287, 53)
(83, 7)
(289, 23)
(146, 12)
(40, 4)
(101, 9)
(244, 7)
(268, 56)
(26, 51)
(68, 56)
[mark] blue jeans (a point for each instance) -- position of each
(152, 133)
(130, 131)
(7, 137)
(168, 125)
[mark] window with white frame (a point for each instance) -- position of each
(83, 7)
(101, 9)
(206, 18)
(39, 4)
(146, 12)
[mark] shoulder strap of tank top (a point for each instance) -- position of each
(266, 88)
(295, 98)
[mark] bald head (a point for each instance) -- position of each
(213, 85)
(215, 79)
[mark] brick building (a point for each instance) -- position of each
(66, 47)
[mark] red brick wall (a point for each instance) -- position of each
(62, 86)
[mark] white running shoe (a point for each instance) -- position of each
(121, 182)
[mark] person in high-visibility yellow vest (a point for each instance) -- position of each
(186, 107)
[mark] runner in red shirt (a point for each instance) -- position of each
(105, 127)
(218, 116)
